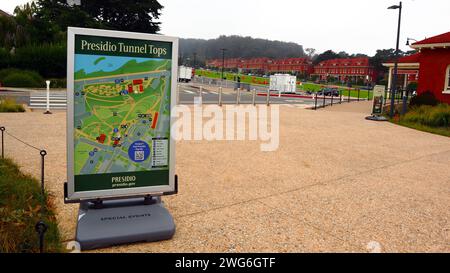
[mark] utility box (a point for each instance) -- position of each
(283, 83)
(185, 73)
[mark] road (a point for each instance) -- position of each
(210, 96)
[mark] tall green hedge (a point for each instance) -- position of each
(49, 60)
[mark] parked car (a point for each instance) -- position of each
(329, 92)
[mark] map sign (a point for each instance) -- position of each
(120, 98)
(378, 99)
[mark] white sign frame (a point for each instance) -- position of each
(73, 196)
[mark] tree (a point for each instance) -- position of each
(383, 56)
(238, 47)
(61, 15)
(127, 15)
(327, 55)
(311, 52)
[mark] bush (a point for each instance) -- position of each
(433, 116)
(58, 83)
(47, 59)
(23, 79)
(426, 98)
(10, 105)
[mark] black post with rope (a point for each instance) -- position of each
(3, 141)
(43, 154)
(41, 227)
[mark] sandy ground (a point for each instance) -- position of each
(337, 183)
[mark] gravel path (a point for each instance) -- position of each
(337, 183)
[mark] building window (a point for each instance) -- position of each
(447, 80)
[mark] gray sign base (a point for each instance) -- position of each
(377, 118)
(123, 222)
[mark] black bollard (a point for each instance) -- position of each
(41, 228)
(43, 154)
(315, 104)
(3, 141)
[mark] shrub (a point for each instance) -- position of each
(22, 79)
(426, 98)
(47, 59)
(58, 83)
(10, 105)
(433, 116)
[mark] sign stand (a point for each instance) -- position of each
(378, 101)
(119, 171)
(110, 223)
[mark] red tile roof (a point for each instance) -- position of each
(414, 58)
(439, 39)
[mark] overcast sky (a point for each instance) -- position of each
(355, 26)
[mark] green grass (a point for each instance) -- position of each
(432, 119)
(10, 105)
(437, 131)
(20, 210)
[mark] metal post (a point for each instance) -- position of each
(3, 141)
(404, 108)
(315, 102)
(268, 97)
(220, 96)
(43, 154)
(324, 100)
(332, 99)
(201, 93)
(395, 78)
(41, 228)
(254, 97)
(47, 112)
(238, 96)
(340, 97)
(348, 99)
(359, 93)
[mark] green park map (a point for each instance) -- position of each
(121, 114)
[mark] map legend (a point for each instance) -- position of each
(160, 152)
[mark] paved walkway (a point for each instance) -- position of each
(337, 183)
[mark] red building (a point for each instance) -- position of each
(228, 63)
(291, 65)
(431, 66)
(256, 64)
(266, 65)
(434, 70)
(346, 69)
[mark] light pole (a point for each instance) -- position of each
(395, 78)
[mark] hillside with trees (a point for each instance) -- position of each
(237, 47)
